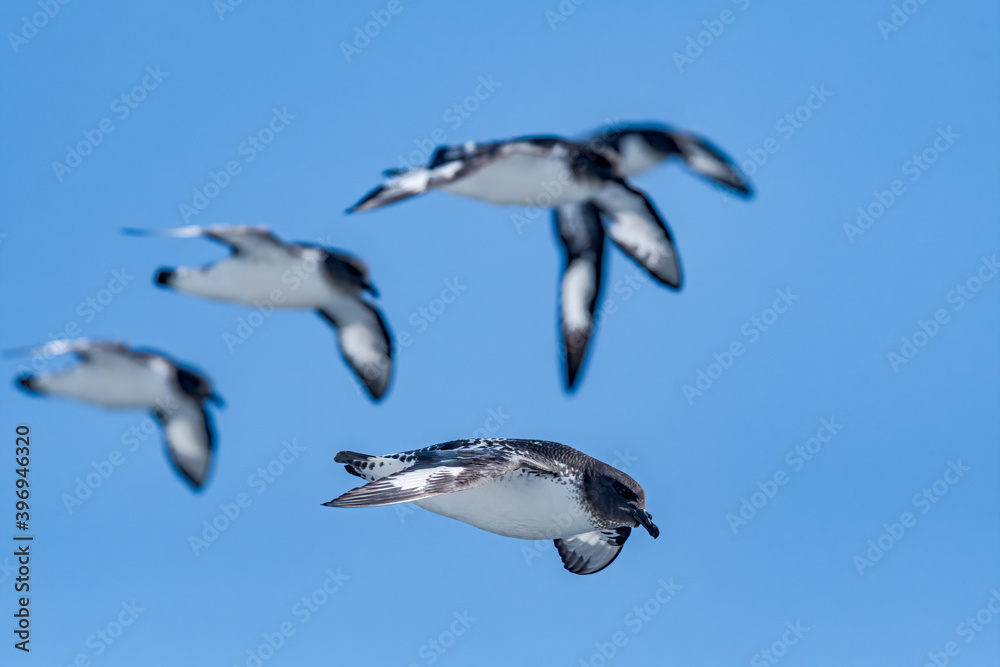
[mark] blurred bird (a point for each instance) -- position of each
(264, 269)
(528, 489)
(112, 375)
(585, 183)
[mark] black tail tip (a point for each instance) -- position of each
(163, 277)
(26, 382)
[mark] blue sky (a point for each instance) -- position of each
(828, 106)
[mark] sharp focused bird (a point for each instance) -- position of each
(113, 375)
(528, 489)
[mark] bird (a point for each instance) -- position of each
(631, 149)
(527, 489)
(263, 269)
(543, 170)
(113, 375)
(586, 184)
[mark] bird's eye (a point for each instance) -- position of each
(624, 492)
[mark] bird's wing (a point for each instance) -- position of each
(82, 347)
(591, 552)
(364, 341)
(243, 240)
(435, 471)
(582, 235)
(190, 439)
(704, 158)
(639, 230)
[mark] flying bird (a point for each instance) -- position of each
(113, 375)
(546, 171)
(585, 183)
(263, 269)
(528, 489)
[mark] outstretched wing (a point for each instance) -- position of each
(364, 341)
(637, 229)
(588, 553)
(433, 472)
(245, 240)
(704, 158)
(582, 235)
(82, 347)
(190, 439)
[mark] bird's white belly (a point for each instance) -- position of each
(519, 180)
(122, 386)
(637, 157)
(516, 505)
(285, 284)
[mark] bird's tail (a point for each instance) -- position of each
(399, 184)
(367, 466)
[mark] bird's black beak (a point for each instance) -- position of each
(164, 277)
(217, 400)
(27, 383)
(645, 520)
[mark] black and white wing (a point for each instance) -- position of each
(582, 235)
(588, 553)
(704, 158)
(364, 341)
(639, 230)
(242, 240)
(81, 347)
(434, 471)
(190, 438)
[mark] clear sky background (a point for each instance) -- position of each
(489, 362)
